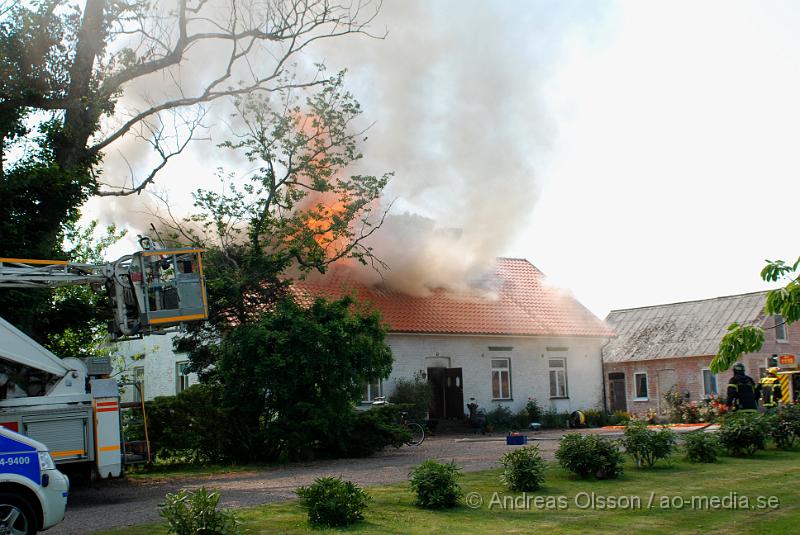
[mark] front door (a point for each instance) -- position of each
(616, 382)
(453, 394)
(437, 382)
(448, 393)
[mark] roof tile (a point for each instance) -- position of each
(522, 304)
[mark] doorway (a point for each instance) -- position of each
(616, 382)
(667, 380)
(448, 393)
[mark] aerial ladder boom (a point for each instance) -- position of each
(72, 405)
(150, 291)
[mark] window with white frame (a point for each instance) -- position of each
(181, 376)
(371, 389)
(709, 383)
(501, 378)
(780, 328)
(640, 384)
(558, 378)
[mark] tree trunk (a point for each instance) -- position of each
(83, 110)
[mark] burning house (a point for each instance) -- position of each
(514, 338)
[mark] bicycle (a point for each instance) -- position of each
(416, 430)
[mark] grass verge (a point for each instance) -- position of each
(641, 502)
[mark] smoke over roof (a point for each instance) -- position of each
(455, 91)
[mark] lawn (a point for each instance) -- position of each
(640, 494)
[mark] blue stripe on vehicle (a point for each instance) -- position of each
(8, 445)
(19, 458)
(21, 464)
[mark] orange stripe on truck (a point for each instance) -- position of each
(109, 448)
(68, 453)
(178, 318)
(29, 261)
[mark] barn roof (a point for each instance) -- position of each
(692, 328)
(520, 303)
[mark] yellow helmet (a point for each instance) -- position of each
(773, 370)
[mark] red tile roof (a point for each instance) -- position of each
(522, 304)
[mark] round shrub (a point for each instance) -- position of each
(590, 455)
(701, 447)
(523, 469)
(786, 426)
(192, 512)
(435, 484)
(647, 446)
(333, 502)
(744, 433)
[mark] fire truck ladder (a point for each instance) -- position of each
(23, 273)
(136, 451)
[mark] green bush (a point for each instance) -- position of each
(186, 427)
(522, 420)
(501, 418)
(701, 447)
(534, 410)
(786, 426)
(333, 502)
(554, 420)
(647, 446)
(590, 455)
(435, 484)
(195, 512)
(622, 417)
(744, 433)
(523, 469)
(416, 393)
(370, 431)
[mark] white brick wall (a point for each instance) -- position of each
(529, 367)
(160, 364)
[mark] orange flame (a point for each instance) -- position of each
(321, 224)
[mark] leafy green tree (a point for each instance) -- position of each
(70, 321)
(298, 211)
(291, 370)
(785, 301)
(295, 374)
(65, 66)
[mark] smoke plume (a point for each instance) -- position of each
(455, 95)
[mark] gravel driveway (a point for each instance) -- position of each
(112, 504)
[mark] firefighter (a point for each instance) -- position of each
(743, 393)
(771, 391)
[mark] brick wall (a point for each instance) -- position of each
(688, 370)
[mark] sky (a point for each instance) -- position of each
(636, 152)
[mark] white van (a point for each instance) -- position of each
(33, 494)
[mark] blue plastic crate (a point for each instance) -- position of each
(516, 440)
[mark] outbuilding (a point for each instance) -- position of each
(664, 347)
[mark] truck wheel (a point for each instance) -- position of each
(16, 516)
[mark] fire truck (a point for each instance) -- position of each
(71, 405)
(789, 376)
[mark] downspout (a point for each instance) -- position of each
(603, 371)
